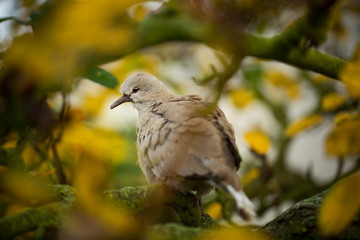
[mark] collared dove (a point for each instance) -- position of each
(182, 143)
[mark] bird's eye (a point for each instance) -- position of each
(135, 89)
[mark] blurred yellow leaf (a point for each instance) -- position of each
(45, 169)
(93, 104)
(332, 101)
(351, 78)
(344, 138)
(214, 210)
(39, 64)
(91, 177)
(11, 140)
(3, 170)
(80, 138)
(91, 151)
(139, 12)
(109, 29)
(302, 124)
(25, 190)
(30, 156)
(340, 206)
(234, 233)
(242, 97)
(259, 142)
(136, 62)
(62, 48)
(320, 79)
(346, 116)
(250, 176)
(15, 208)
(281, 80)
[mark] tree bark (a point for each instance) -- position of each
(298, 222)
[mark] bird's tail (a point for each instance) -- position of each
(245, 207)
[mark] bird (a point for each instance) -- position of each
(183, 142)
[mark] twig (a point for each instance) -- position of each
(17, 20)
(58, 166)
(56, 139)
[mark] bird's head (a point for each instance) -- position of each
(142, 89)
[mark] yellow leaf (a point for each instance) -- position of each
(351, 78)
(250, 176)
(332, 101)
(3, 171)
(241, 97)
(44, 170)
(259, 142)
(139, 12)
(93, 104)
(10, 140)
(344, 138)
(109, 29)
(281, 80)
(80, 139)
(90, 179)
(321, 79)
(303, 124)
(346, 116)
(135, 62)
(234, 233)
(30, 156)
(340, 206)
(15, 208)
(214, 210)
(72, 34)
(26, 190)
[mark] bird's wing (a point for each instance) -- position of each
(185, 140)
(227, 134)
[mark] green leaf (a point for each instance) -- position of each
(102, 77)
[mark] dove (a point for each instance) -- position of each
(183, 142)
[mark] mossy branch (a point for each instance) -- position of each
(167, 25)
(187, 206)
(134, 199)
(298, 222)
(32, 219)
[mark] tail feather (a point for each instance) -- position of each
(244, 205)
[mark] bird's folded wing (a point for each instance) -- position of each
(188, 141)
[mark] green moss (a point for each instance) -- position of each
(299, 222)
(172, 231)
(32, 219)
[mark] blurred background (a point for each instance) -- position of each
(62, 65)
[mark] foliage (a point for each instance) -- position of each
(65, 57)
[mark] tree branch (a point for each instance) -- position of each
(137, 199)
(300, 222)
(17, 20)
(305, 58)
(32, 219)
(168, 25)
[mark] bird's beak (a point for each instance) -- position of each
(124, 98)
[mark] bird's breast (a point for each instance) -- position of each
(152, 133)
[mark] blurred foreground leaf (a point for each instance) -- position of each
(242, 97)
(332, 101)
(351, 78)
(259, 142)
(344, 138)
(235, 233)
(102, 77)
(303, 124)
(340, 206)
(214, 210)
(285, 82)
